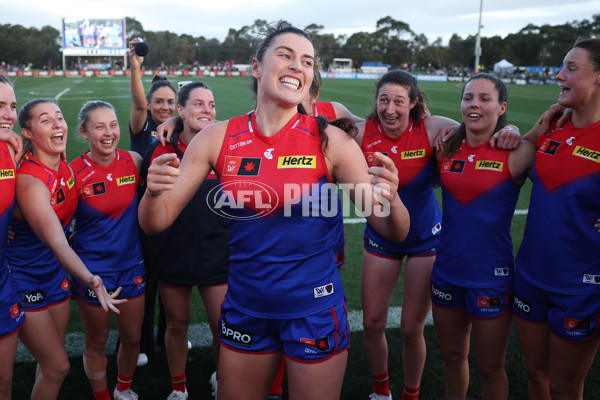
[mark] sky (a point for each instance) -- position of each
(213, 18)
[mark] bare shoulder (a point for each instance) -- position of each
(137, 159)
(435, 123)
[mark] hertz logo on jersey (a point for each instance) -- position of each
(125, 180)
(297, 162)
(409, 154)
(71, 181)
(587, 153)
(489, 165)
(7, 174)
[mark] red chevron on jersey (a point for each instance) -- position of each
(485, 167)
(262, 173)
(411, 151)
(579, 148)
(107, 190)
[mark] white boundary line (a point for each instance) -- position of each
(198, 334)
(360, 220)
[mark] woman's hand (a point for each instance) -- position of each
(107, 301)
(162, 174)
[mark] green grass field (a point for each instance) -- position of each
(233, 97)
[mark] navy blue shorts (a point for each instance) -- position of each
(481, 303)
(13, 315)
(313, 338)
(132, 282)
(40, 297)
(573, 318)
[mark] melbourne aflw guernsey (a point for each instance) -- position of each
(106, 230)
(324, 109)
(278, 195)
(194, 249)
(413, 156)
(479, 197)
(8, 295)
(560, 249)
(30, 261)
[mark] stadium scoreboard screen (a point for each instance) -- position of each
(94, 36)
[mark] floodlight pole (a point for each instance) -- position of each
(478, 40)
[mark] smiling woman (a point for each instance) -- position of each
(304, 315)
(46, 202)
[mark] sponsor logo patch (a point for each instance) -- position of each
(33, 298)
(93, 189)
(91, 295)
(65, 284)
(16, 310)
(125, 180)
(370, 157)
(592, 279)
(58, 198)
(488, 301)
(324, 290)
(454, 166)
(7, 174)
(297, 162)
(241, 166)
(550, 147)
(241, 338)
(501, 271)
(489, 165)
(410, 154)
(321, 344)
(441, 295)
(587, 153)
(575, 324)
(522, 305)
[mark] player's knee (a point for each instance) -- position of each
(374, 326)
(411, 332)
(95, 368)
(57, 372)
(130, 339)
(178, 327)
